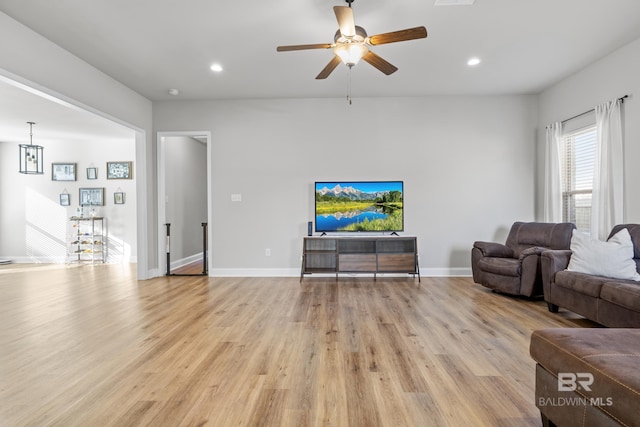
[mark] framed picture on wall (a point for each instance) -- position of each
(118, 198)
(63, 171)
(119, 170)
(92, 173)
(65, 199)
(92, 197)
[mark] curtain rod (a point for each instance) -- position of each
(622, 98)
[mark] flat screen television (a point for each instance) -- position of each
(366, 206)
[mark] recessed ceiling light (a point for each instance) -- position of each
(174, 92)
(473, 61)
(216, 67)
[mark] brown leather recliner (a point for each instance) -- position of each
(514, 268)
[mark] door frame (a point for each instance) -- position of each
(162, 194)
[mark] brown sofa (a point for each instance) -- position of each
(599, 377)
(514, 268)
(610, 302)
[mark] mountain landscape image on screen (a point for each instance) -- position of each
(359, 206)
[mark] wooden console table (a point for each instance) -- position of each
(360, 255)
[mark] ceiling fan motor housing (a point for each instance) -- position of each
(360, 37)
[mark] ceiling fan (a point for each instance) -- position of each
(351, 43)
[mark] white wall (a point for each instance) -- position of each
(613, 76)
(467, 163)
(186, 195)
(41, 64)
(33, 225)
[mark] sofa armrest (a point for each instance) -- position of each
(556, 260)
(551, 262)
(530, 271)
(493, 249)
(534, 250)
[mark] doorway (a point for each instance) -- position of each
(184, 211)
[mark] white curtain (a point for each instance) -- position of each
(552, 204)
(607, 199)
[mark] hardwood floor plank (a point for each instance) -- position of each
(91, 345)
(330, 400)
(361, 405)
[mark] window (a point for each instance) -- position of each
(579, 152)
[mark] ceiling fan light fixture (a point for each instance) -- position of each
(351, 53)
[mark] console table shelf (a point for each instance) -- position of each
(88, 239)
(360, 255)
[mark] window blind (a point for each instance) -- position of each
(578, 165)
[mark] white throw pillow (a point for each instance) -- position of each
(613, 258)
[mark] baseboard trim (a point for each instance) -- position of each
(446, 272)
(294, 272)
(254, 272)
(38, 260)
(63, 260)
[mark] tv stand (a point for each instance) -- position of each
(360, 255)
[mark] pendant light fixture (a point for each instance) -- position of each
(31, 155)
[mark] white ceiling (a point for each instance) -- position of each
(156, 45)
(55, 121)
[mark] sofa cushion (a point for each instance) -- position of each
(583, 283)
(613, 258)
(624, 294)
(524, 235)
(634, 231)
(501, 266)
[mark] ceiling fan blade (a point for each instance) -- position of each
(344, 15)
(304, 46)
(398, 36)
(380, 63)
(329, 68)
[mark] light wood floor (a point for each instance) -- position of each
(92, 346)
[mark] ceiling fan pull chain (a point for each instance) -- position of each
(349, 87)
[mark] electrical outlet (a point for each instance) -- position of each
(267, 252)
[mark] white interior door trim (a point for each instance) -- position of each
(162, 194)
